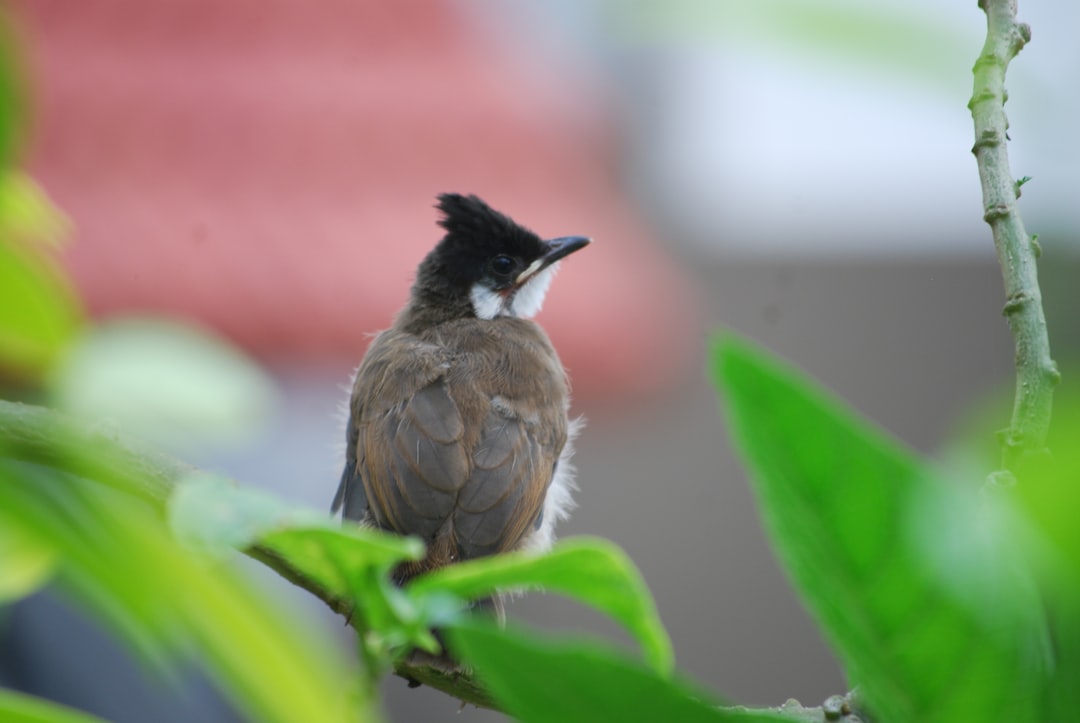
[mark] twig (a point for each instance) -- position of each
(42, 436)
(1036, 373)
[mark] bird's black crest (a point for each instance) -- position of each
(473, 226)
(475, 233)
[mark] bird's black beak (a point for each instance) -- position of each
(557, 248)
(561, 247)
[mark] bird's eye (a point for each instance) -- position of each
(502, 265)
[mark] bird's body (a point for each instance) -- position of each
(458, 427)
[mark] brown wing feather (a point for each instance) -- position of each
(505, 493)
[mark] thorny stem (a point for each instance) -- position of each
(1036, 373)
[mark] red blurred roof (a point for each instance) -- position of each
(270, 168)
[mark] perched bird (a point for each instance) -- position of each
(458, 429)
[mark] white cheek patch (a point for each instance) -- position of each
(487, 304)
(529, 298)
(532, 269)
(524, 303)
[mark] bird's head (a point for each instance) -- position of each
(488, 264)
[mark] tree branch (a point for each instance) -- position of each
(42, 436)
(1036, 373)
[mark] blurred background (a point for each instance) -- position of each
(796, 170)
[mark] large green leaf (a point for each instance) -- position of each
(570, 681)
(876, 546)
(592, 570)
(19, 708)
(115, 556)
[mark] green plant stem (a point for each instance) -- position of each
(42, 436)
(1017, 252)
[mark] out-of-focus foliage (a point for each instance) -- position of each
(113, 555)
(13, 106)
(923, 585)
(871, 35)
(39, 313)
(177, 386)
(18, 708)
(27, 214)
(27, 562)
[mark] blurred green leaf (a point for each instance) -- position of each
(19, 708)
(39, 313)
(565, 682)
(176, 386)
(13, 106)
(591, 570)
(115, 556)
(857, 520)
(871, 36)
(1049, 495)
(26, 213)
(26, 563)
(211, 515)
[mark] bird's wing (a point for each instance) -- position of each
(395, 369)
(432, 450)
(512, 465)
(350, 497)
(415, 462)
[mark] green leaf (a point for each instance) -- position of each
(592, 570)
(26, 563)
(26, 213)
(176, 386)
(20, 708)
(39, 314)
(875, 545)
(566, 682)
(116, 558)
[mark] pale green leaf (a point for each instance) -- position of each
(176, 386)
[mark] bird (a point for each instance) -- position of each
(458, 428)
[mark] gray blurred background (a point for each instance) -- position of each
(806, 166)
